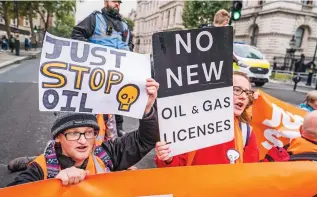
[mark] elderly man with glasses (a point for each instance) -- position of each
(73, 153)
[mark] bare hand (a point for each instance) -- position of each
(72, 175)
(256, 95)
(151, 88)
(162, 150)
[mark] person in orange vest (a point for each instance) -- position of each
(305, 147)
(242, 149)
(107, 131)
(74, 153)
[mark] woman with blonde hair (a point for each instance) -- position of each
(310, 103)
(242, 149)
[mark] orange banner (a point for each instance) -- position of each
(275, 122)
(258, 179)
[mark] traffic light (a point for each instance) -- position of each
(236, 10)
(35, 29)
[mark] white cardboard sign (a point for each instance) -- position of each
(77, 76)
(195, 99)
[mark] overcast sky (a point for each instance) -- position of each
(127, 6)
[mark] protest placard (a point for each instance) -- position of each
(194, 69)
(77, 76)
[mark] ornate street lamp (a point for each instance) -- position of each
(291, 51)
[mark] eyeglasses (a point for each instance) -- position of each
(74, 136)
(238, 91)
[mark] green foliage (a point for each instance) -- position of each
(198, 12)
(130, 23)
(7, 13)
(54, 8)
(63, 26)
(27, 9)
(7, 9)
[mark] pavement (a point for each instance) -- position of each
(25, 130)
(7, 58)
(301, 86)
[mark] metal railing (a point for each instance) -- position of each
(287, 76)
(287, 63)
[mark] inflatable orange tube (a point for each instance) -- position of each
(258, 179)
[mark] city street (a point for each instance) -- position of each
(25, 130)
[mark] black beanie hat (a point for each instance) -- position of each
(72, 120)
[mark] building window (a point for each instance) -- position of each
(299, 37)
(307, 2)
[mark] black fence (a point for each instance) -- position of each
(287, 63)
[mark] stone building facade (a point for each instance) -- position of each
(154, 16)
(270, 25)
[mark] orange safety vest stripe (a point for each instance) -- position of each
(91, 167)
(190, 158)
(40, 160)
(103, 128)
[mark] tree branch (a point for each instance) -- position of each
(41, 14)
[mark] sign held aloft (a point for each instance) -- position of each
(77, 76)
(194, 69)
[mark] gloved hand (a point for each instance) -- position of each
(276, 154)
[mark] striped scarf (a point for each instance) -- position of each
(53, 166)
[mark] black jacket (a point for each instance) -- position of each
(85, 29)
(124, 151)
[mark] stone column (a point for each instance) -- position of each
(178, 19)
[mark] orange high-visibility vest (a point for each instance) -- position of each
(103, 129)
(94, 165)
(300, 145)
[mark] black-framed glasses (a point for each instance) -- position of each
(74, 136)
(238, 91)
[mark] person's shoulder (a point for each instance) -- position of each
(125, 23)
(96, 12)
(305, 107)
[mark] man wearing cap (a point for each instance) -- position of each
(73, 153)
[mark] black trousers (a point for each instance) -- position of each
(295, 86)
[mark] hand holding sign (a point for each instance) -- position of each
(72, 175)
(162, 152)
(151, 87)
